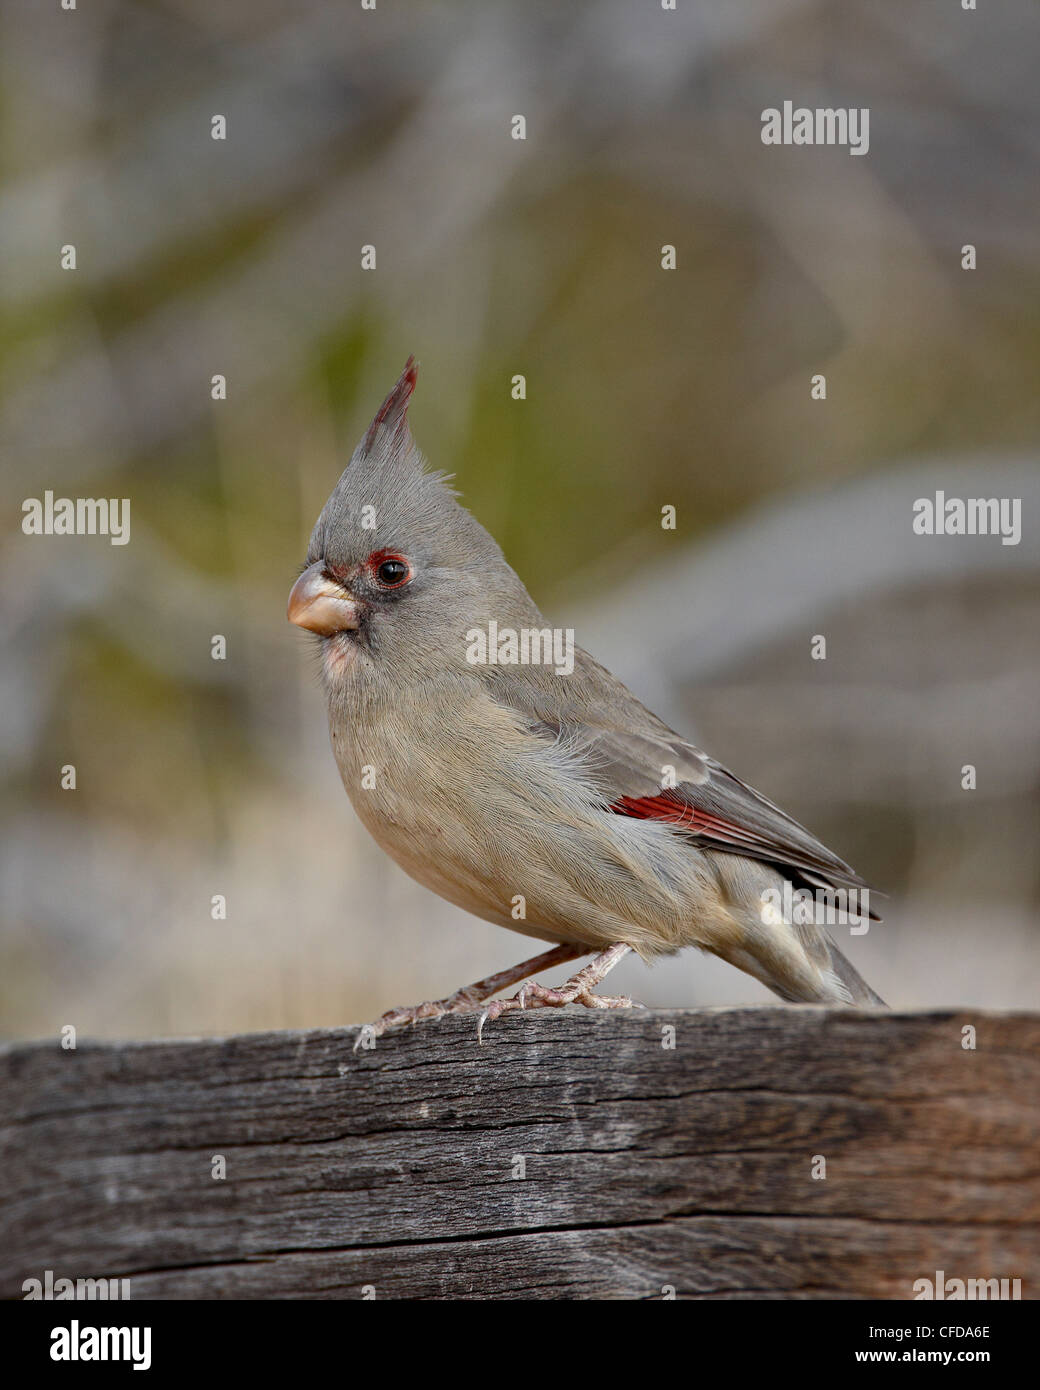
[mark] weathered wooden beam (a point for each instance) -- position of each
(575, 1154)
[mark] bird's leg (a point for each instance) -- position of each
(470, 996)
(576, 990)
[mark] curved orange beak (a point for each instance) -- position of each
(321, 605)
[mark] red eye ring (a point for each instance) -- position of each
(389, 569)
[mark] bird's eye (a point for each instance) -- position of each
(391, 571)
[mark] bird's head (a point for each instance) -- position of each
(397, 571)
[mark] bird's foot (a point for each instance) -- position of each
(464, 1000)
(461, 1002)
(576, 990)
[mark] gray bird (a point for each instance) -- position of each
(543, 796)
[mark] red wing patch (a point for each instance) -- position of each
(683, 816)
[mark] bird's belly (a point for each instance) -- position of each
(519, 852)
(469, 846)
(427, 854)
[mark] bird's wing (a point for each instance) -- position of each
(634, 759)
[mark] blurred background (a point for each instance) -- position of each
(645, 388)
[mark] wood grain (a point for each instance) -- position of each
(647, 1168)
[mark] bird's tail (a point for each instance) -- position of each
(847, 981)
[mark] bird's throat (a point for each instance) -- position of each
(339, 655)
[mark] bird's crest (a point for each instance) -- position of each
(389, 428)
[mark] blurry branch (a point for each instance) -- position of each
(788, 564)
(304, 99)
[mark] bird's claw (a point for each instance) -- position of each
(536, 996)
(576, 990)
(459, 1002)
